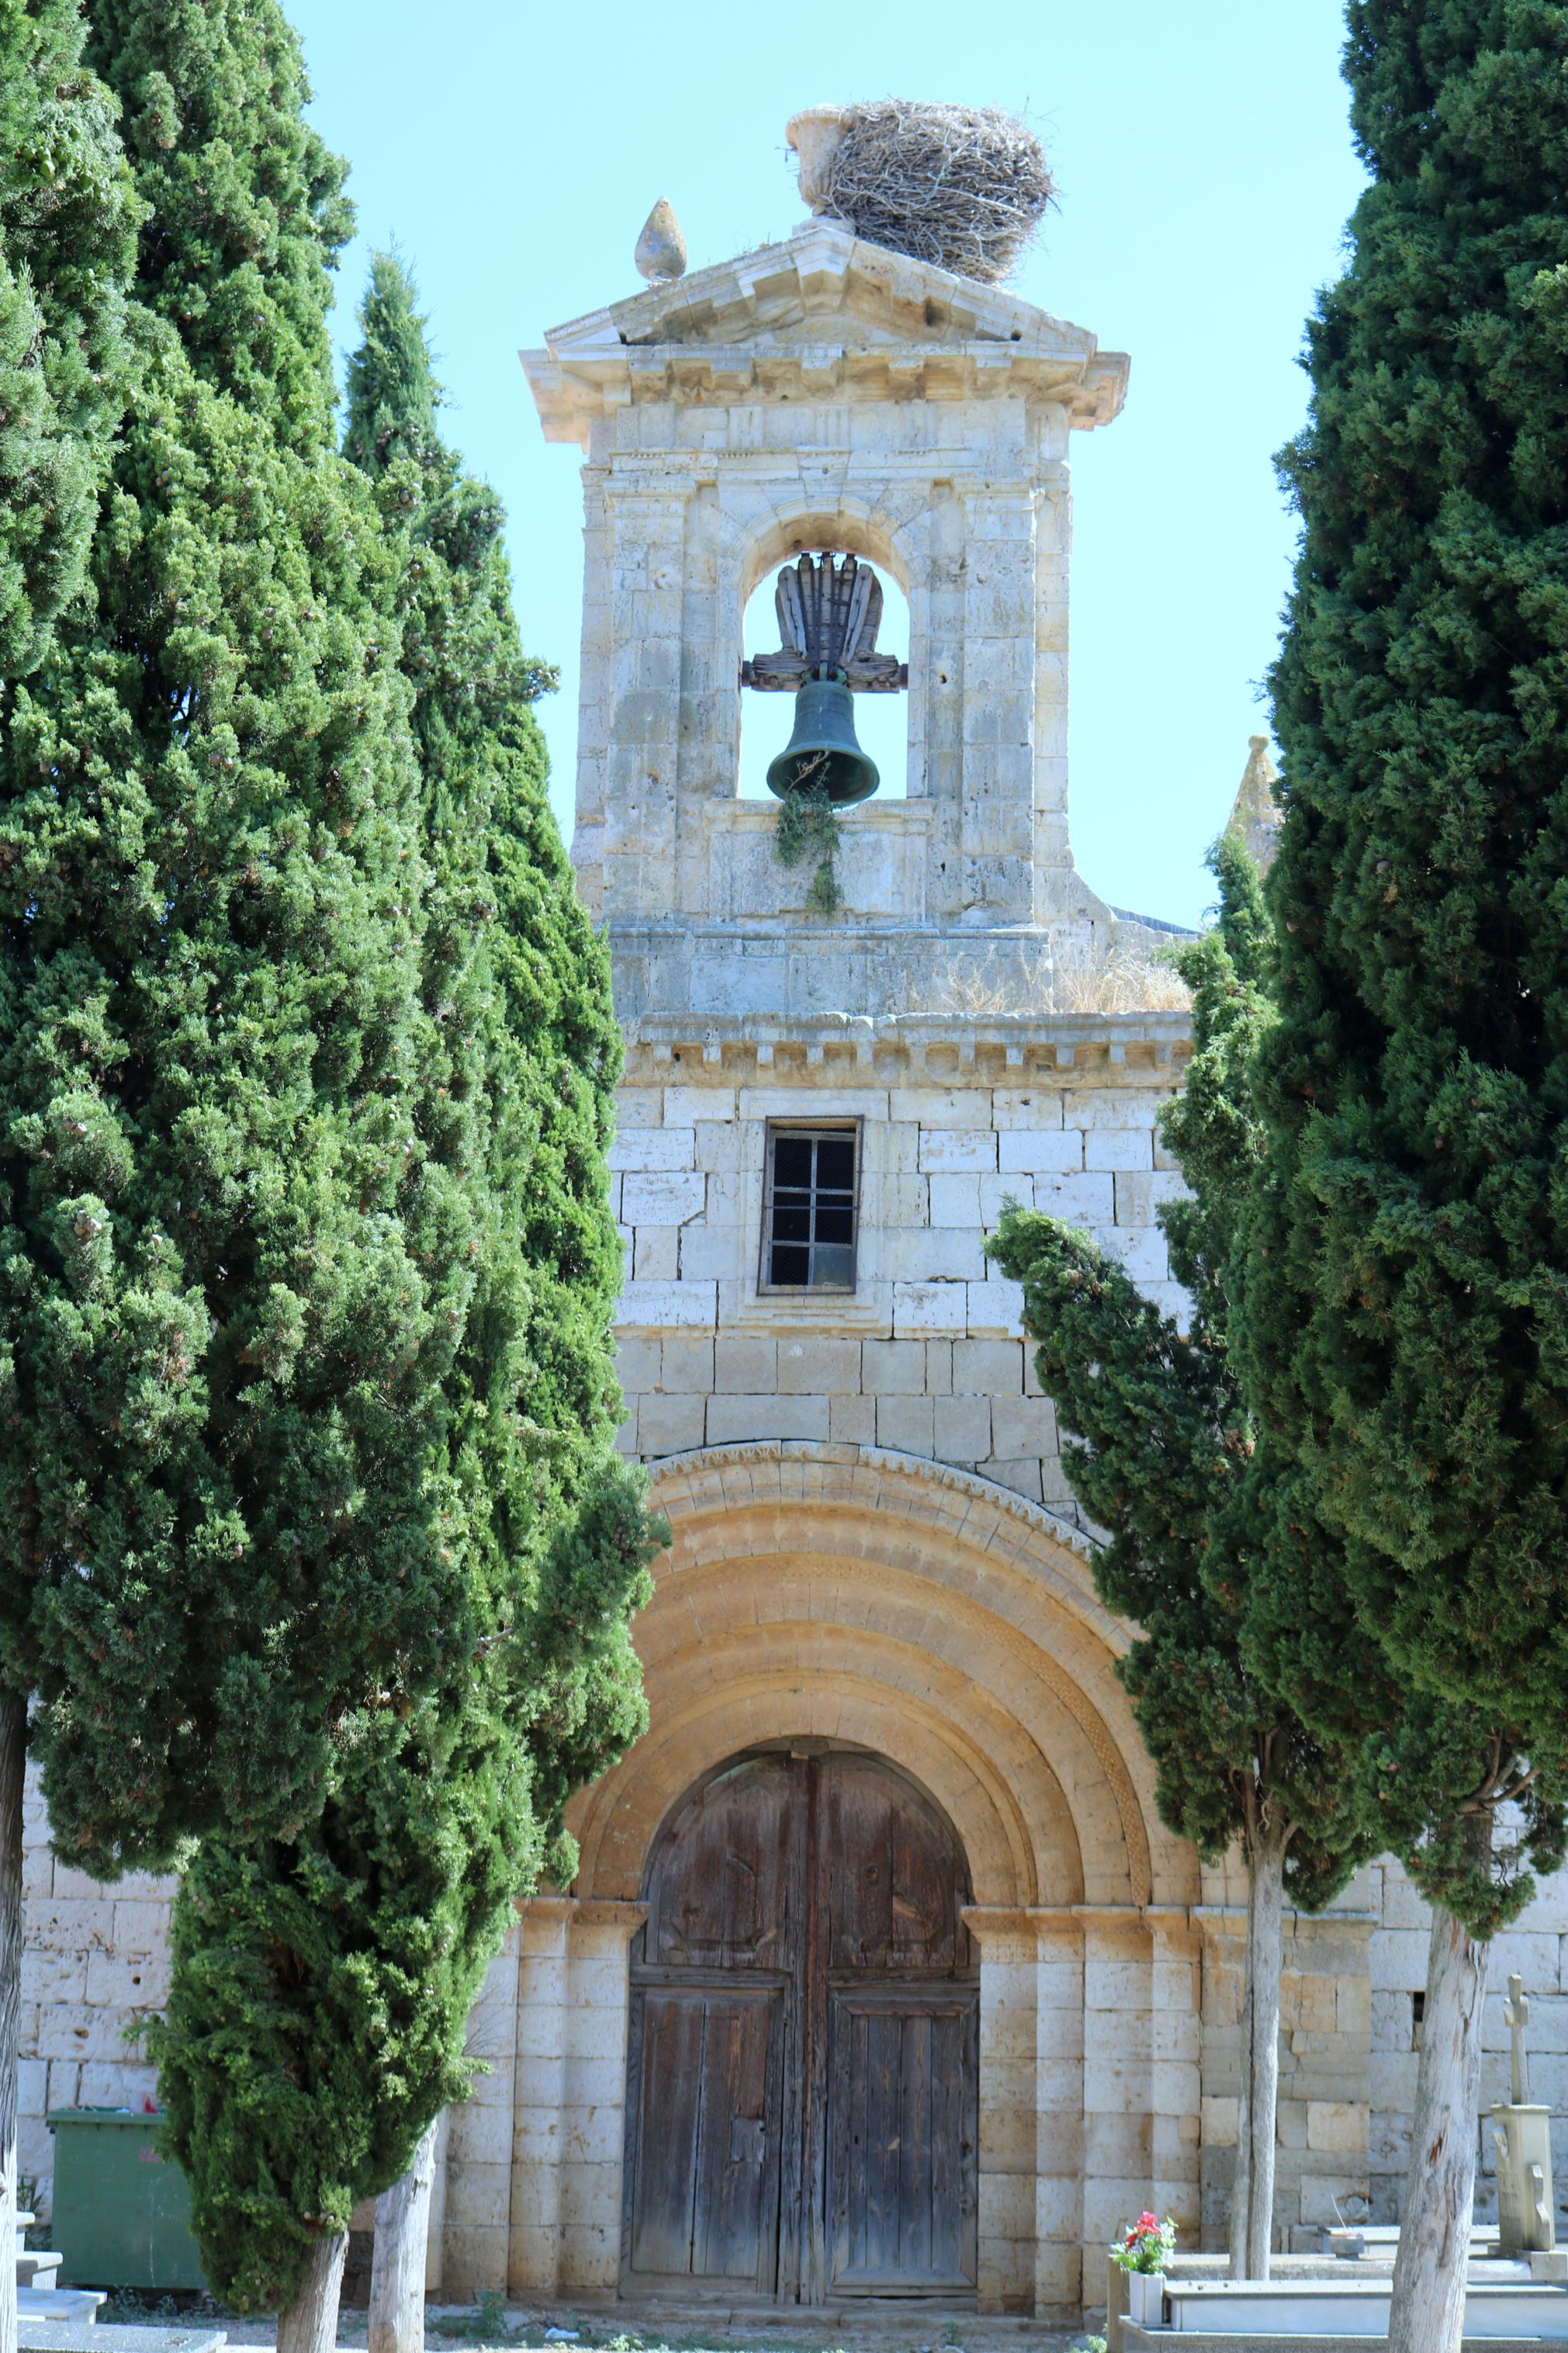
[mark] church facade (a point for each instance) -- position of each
(881, 1976)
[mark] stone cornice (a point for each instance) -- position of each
(1017, 1044)
(821, 315)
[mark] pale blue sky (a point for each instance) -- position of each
(1204, 173)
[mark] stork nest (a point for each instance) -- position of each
(965, 187)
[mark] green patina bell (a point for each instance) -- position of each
(823, 752)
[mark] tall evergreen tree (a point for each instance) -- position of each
(232, 1280)
(322, 1983)
(1404, 1331)
(1166, 1465)
(68, 216)
(68, 219)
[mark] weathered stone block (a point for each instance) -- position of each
(906, 1423)
(957, 1150)
(671, 1425)
(818, 1368)
(733, 1420)
(1026, 1151)
(744, 1367)
(1118, 1148)
(926, 1307)
(644, 1149)
(893, 1367)
(664, 1198)
(652, 1306)
(987, 1367)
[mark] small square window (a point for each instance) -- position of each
(809, 1209)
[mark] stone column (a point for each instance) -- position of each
(1060, 2289)
(594, 2111)
(533, 2249)
(1223, 1930)
(1004, 2278)
(1054, 879)
(1117, 2047)
(1175, 2070)
(998, 884)
(477, 2174)
(641, 670)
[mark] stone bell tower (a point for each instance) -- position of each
(874, 1644)
(824, 392)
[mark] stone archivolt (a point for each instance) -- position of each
(814, 1589)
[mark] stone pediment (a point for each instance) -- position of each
(822, 315)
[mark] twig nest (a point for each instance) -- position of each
(962, 186)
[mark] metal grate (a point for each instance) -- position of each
(808, 1222)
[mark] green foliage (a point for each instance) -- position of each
(322, 1987)
(243, 210)
(808, 828)
(67, 218)
(1404, 1327)
(234, 1269)
(1166, 1462)
(322, 1983)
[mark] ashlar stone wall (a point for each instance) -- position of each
(927, 1358)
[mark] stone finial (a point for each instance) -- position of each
(1255, 814)
(660, 255)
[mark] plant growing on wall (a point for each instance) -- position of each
(807, 827)
(1167, 1466)
(322, 1982)
(1403, 1338)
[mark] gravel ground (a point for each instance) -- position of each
(494, 2327)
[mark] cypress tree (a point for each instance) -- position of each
(322, 1983)
(67, 245)
(67, 216)
(1404, 1334)
(232, 1283)
(1165, 1463)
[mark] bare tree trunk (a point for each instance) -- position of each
(1265, 1933)
(397, 2265)
(309, 2325)
(1429, 2309)
(1241, 2179)
(13, 1769)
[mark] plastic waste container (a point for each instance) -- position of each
(122, 2208)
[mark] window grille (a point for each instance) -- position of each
(809, 1215)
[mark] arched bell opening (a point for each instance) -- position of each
(802, 2113)
(881, 721)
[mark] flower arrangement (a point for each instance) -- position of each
(1146, 2245)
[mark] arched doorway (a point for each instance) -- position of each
(804, 2039)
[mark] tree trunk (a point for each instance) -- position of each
(397, 2265)
(1265, 1928)
(309, 2325)
(13, 1769)
(1241, 2178)
(1259, 2123)
(1429, 2310)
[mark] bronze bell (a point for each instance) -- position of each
(823, 752)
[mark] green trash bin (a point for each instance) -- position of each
(123, 2209)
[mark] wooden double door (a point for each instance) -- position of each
(802, 2095)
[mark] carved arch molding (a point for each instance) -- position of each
(914, 1607)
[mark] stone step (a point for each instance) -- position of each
(1169, 2340)
(53, 2304)
(1355, 2307)
(37, 2266)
